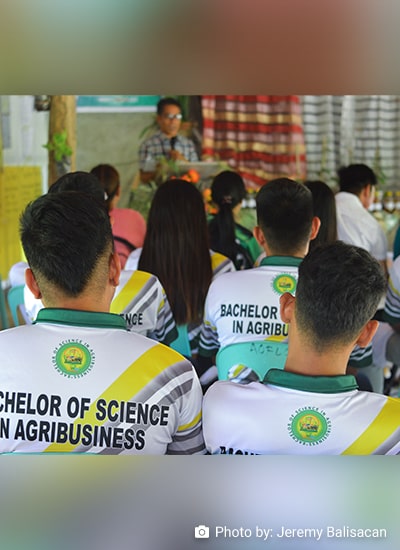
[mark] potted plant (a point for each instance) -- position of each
(61, 150)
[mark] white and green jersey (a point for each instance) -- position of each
(244, 306)
(292, 414)
(78, 381)
(141, 300)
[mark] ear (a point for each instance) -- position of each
(367, 333)
(259, 235)
(32, 284)
(315, 225)
(286, 303)
(114, 269)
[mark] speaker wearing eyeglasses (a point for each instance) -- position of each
(166, 142)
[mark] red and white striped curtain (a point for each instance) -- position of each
(260, 136)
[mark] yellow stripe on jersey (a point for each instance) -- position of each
(142, 371)
(134, 284)
(191, 424)
(385, 423)
(216, 260)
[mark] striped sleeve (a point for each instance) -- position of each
(220, 264)
(361, 357)
(188, 438)
(165, 330)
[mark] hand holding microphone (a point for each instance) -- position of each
(174, 154)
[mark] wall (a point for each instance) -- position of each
(112, 139)
(101, 138)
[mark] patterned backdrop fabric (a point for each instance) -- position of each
(260, 136)
(340, 130)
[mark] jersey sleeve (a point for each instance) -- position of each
(361, 357)
(209, 340)
(188, 438)
(165, 330)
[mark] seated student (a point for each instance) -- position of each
(227, 236)
(77, 380)
(244, 305)
(139, 296)
(176, 250)
(128, 226)
(312, 407)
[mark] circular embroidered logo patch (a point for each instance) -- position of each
(73, 359)
(284, 283)
(309, 426)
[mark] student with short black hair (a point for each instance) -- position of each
(77, 380)
(312, 407)
(286, 224)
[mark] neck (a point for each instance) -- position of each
(99, 303)
(300, 253)
(304, 359)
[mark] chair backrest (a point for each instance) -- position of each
(15, 298)
(259, 356)
(182, 344)
(3, 310)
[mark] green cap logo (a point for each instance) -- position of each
(73, 359)
(309, 426)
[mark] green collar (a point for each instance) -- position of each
(284, 261)
(75, 317)
(316, 384)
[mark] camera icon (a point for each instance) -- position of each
(201, 532)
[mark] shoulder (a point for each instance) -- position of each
(220, 263)
(137, 277)
(184, 140)
(155, 138)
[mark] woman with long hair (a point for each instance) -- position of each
(227, 236)
(176, 250)
(128, 226)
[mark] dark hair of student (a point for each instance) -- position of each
(338, 291)
(167, 101)
(325, 209)
(353, 178)
(176, 248)
(227, 191)
(82, 182)
(109, 179)
(64, 236)
(284, 214)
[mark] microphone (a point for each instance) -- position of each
(172, 143)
